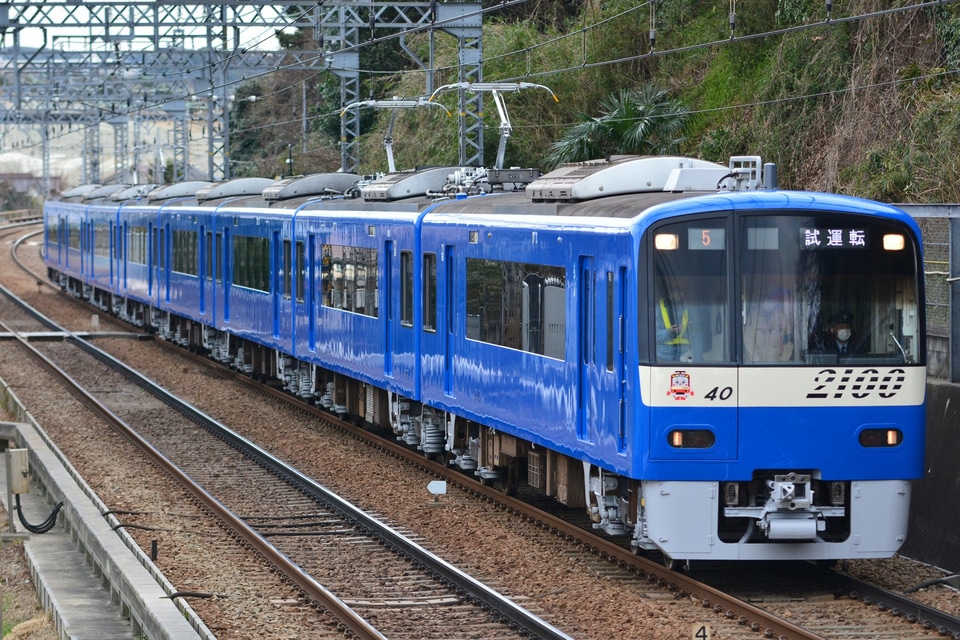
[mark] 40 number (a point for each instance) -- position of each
(719, 393)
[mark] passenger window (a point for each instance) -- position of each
(406, 288)
(430, 292)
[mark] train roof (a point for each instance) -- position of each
(408, 184)
(628, 174)
(77, 193)
(292, 192)
(248, 189)
(104, 192)
(178, 190)
(616, 206)
(134, 192)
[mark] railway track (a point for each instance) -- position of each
(317, 538)
(729, 618)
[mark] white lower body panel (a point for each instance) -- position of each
(682, 520)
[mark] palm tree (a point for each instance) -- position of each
(643, 121)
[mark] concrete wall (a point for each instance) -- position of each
(934, 533)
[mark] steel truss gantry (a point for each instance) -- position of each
(143, 46)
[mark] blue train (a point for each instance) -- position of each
(710, 366)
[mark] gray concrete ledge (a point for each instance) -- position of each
(89, 577)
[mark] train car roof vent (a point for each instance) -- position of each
(133, 193)
(104, 192)
(315, 184)
(407, 184)
(79, 192)
(625, 174)
(234, 188)
(178, 190)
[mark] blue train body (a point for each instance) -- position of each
(665, 358)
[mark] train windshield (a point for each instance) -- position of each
(786, 290)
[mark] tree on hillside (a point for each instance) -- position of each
(643, 121)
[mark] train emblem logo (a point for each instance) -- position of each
(680, 385)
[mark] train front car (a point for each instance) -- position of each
(782, 377)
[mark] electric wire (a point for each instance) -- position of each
(586, 65)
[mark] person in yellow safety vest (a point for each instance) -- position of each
(671, 330)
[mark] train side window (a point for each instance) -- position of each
(301, 271)
(209, 255)
(517, 305)
(219, 257)
(251, 262)
(137, 246)
(430, 292)
(185, 252)
(287, 275)
(406, 288)
(348, 279)
(611, 310)
(73, 235)
(118, 247)
(101, 240)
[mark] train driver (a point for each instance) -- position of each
(840, 335)
(673, 322)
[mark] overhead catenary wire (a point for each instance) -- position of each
(829, 21)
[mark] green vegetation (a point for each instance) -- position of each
(866, 106)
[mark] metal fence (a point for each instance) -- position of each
(940, 226)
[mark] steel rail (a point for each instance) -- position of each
(899, 605)
(313, 589)
(482, 593)
(731, 607)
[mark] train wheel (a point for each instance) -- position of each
(676, 565)
(511, 480)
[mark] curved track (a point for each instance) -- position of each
(730, 613)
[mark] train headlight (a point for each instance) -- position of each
(881, 437)
(894, 242)
(691, 438)
(666, 241)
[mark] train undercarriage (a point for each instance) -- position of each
(775, 506)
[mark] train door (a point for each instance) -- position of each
(586, 347)
(124, 233)
(111, 251)
(224, 274)
(163, 282)
(85, 248)
(62, 234)
(450, 316)
(387, 308)
(151, 259)
(211, 274)
(615, 367)
(281, 278)
(312, 291)
(204, 267)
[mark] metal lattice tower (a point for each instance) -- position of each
(143, 55)
(340, 25)
(91, 151)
